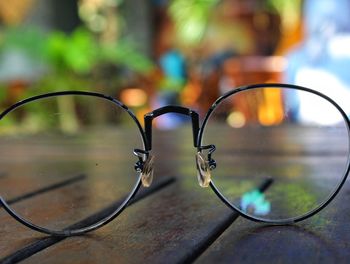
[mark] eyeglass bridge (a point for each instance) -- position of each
(145, 163)
(148, 118)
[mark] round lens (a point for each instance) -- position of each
(281, 152)
(67, 161)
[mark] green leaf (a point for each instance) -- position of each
(123, 53)
(81, 53)
(191, 17)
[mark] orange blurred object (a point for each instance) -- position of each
(12, 12)
(133, 97)
(270, 110)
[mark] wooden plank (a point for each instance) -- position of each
(291, 138)
(70, 202)
(321, 239)
(176, 224)
(30, 238)
(61, 198)
(35, 161)
(304, 162)
(172, 225)
(324, 238)
(10, 227)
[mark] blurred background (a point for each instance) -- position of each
(148, 53)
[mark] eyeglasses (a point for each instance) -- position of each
(274, 153)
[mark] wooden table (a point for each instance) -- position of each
(176, 221)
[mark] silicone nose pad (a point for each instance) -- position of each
(147, 172)
(203, 171)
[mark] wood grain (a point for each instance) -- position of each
(181, 222)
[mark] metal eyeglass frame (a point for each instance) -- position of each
(204, 163)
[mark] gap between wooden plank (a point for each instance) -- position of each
(46, 242)
(47, 188)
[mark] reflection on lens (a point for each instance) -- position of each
(71, 154)
(254, 202)
(236, 119)
(262, 133)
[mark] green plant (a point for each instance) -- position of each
(71, 60)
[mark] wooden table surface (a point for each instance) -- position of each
(176, 221)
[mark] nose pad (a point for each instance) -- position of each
(203, 170)
(144, 166)
(147, 172)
